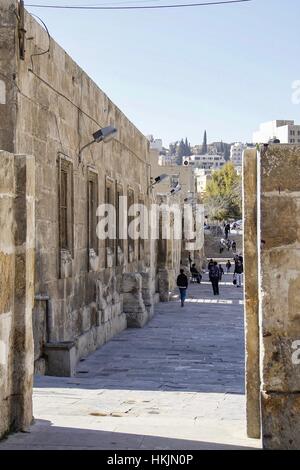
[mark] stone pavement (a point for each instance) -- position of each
(176, 384)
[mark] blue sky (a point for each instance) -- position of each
(177, 72)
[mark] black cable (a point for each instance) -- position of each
(145, 7)
(49, 39)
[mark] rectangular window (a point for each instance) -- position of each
(119, 242)
(92, 211)
(65, 192)
(131, 245)
(141, 245)
(64, 210)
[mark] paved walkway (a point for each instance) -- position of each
(176, 384)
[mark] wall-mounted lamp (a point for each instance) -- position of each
(159, 179)
(102, 135)
(175, 190)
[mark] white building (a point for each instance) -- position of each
(204, 161)
(285, 131)
(236, 154)
(202, 177)
(167, 160)
(155, 144)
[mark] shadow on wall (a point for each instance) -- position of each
(44, 436)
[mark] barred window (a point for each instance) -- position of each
(65, 191)
(130, 218)
(92, 211)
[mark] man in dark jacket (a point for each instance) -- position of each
(210, 264)
(227, 230)
(214, 277)
(238, 272)
(182, 284)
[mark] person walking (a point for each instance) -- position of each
(221, 272)
(233, 246)
(228, 266)
(210, 264)
(238, 272)
(195, 274)
(214, 277)
(182, 284)
(227, 230)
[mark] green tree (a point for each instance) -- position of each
(204, 145)
(188, 150)
(180, 151)
(172, 148)
(223, 198)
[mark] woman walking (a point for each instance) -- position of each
(182, 284)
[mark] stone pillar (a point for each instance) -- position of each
(23, 363)
(251, 293)
(279, 304)
(17, 226)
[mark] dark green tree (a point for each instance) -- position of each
(172, 148)
(180, 152)
(204, 145)
(188, 150)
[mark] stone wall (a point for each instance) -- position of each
(53, 109)
(273, 292)
(17, 192)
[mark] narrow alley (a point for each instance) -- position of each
(176, 384)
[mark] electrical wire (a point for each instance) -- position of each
(49, 41)
(137, 7)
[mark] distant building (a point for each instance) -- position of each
(236, 153)
(202, 178)
(204, 161)
(167, 160)
(286, 131)
(155, 144)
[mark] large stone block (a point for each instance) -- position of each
(281, 229)
(280, 285)
(61, 359)
(280, 365)
(280, 168)
(281, 421)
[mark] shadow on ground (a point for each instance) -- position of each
(64, 438)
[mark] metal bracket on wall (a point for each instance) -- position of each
(21, 30)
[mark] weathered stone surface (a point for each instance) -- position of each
(17, 193)
(281, 424)
(61, 359)
(280, 167)
(279, 299)
(282, 227)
